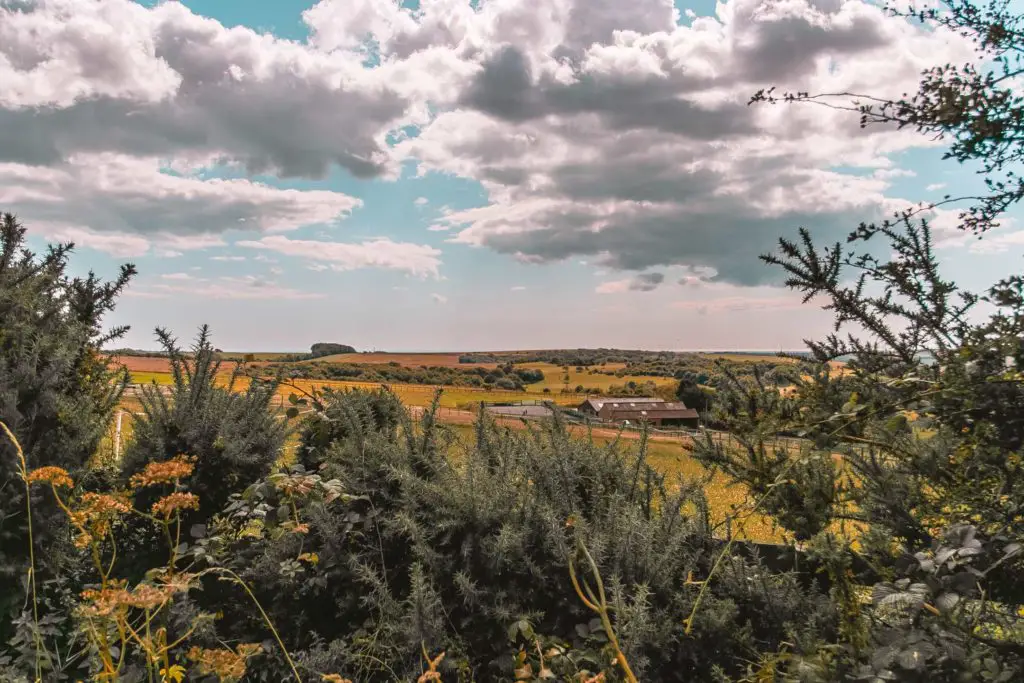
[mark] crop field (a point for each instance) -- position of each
(589, 378)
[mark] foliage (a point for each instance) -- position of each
(321, 349)
(448, 552)
(234, 435)
(911, 459)
(56, 391)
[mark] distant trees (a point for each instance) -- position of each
(693, 394)
(321, 349)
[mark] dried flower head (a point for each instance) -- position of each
(102, 603)
(95, 515)
(226, 664)
(55, 476)
(168, 505)
(169, 471)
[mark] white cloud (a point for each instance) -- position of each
(518, 288)
(645, 282)
(113, 75)
(248, 287)
(601, 130)
(421, 201)
(276, 271)
(998, 242)
(416, 259)
(103, 198)
(619, 136)
(439, 298)
(935, 187)
(317, 267)
(177, 276)
(227, 258)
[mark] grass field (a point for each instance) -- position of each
(589, 379)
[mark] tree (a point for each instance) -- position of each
(910, 458)
(976, 107)
(322, 349)
(692, 394)
(231, 431)
(57, 388)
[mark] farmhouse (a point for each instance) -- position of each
(655, 411)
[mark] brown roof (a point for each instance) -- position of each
(640, 410)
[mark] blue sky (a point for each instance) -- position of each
(451, 177)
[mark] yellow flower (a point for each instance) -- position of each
(168, 505)
(55, 476)
(226, 664)
(164, 472)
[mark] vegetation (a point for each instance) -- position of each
(386, 551)
(505, 377)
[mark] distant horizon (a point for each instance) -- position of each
(509, 350)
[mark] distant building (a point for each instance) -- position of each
(655, 411)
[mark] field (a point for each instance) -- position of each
(589, 378)
(667, 454)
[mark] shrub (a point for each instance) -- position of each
(451, 551)
(233, 435)
(57, 390)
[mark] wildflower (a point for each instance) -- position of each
(164, 472)
(168, 505)
(225, 664)
(431, 674)
(145, 596)
(334, 678)
(55, 476)
(102, 603)
(102, 504)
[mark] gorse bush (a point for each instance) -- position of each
(232, 432)
(57, 392)
(392, 550)
(450, 548)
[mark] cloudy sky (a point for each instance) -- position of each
(463, 174)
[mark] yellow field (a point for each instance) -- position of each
(589, 379)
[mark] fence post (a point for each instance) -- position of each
(117, 436)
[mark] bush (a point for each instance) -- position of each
(233, 435)
(57, 391)
(471, 556)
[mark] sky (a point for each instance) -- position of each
(449, 175)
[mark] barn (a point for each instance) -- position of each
(654, 411)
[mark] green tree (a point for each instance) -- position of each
(57, 389)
